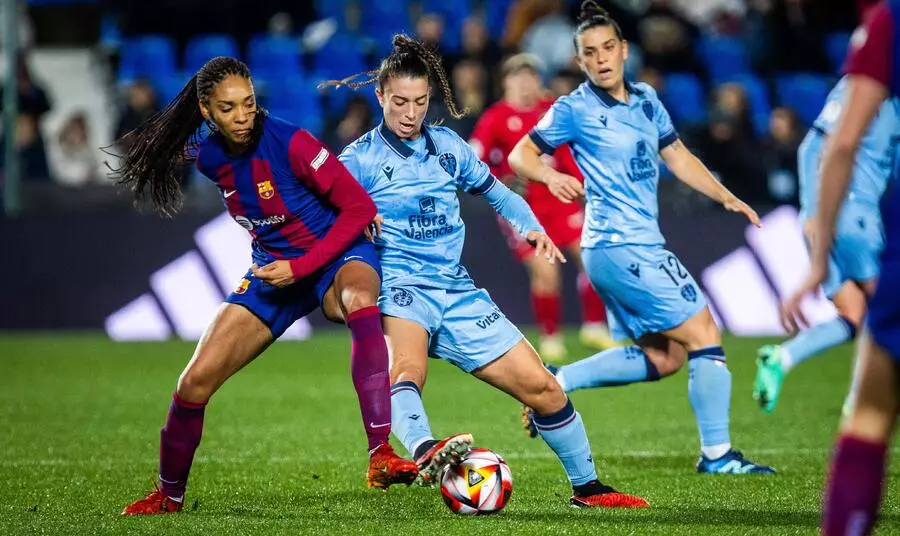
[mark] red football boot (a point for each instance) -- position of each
(603, 496)
(447, 451)
(386, 468)
(155, 503)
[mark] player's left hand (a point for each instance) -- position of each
(544, 246)
(277, 274)
(792, 316)
(734, 204)
(374, 229)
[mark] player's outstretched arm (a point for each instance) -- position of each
(691, 171)
(525, 160)
(512, 208)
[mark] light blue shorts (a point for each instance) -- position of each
(646, 288)
(465, 327)
(859, 239)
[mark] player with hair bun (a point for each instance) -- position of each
(616, 129)
(430, 305)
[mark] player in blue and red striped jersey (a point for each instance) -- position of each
(306, 215)
(858, 468)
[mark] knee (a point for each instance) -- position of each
(406, 370)
(545, 280)
(195, 386)
(666, 362)
(356, 297)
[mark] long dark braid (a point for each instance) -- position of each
(592, 16)
(409, 58)
(169, 139)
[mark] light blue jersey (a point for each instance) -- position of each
(414, 185)
(615, 146)
(644, 286)
(859, 233)
(875, 158)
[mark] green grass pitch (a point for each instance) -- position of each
(284, 452)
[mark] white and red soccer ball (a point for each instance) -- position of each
(480, 484)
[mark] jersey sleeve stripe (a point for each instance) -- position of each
(668, 139)
(541, 142)
(484, 187)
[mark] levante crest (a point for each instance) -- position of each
(448, 162)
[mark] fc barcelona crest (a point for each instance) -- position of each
(448, 162)
(265, 189)
(647, 106)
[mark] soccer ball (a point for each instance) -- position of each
(480, 484)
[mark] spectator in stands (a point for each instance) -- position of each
(30, 146)
(33, 99)
(565, 82)
(798, 28)
(469, 81)
(667, 39)
(74, 161)
(33, 104)
(142, 104)
(780, 150)
(550, 38)
(731, 100)
(430, 29)
(521, 16)
(356, 121)
(477, 46)
(708, 14)
(734, 159)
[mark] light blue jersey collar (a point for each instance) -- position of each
(402, 149)
(608, 100)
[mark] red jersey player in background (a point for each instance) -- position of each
(498, 130)
(857, 475)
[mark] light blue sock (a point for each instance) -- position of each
(817, 339)
(564, 433)
(616, 366)
(408, 419)
(709, 390)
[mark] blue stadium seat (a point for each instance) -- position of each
(147, 56)
(383, 19)
(723, 57)
(495, 16)
(331, 8)
(341, 56)
(804, 92)
(203, 48)
(758, 100)
(836, 45)
(274, 57)
(685, 99)
(297, 100)
(168, 87)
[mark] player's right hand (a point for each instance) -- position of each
(374, 228)
(564, 187)
(792, 316)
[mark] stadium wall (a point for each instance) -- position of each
(140, 277)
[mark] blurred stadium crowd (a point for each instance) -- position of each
(743, 80)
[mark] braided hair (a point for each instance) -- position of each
(410, 58)
(593, 16)
(169, 139)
